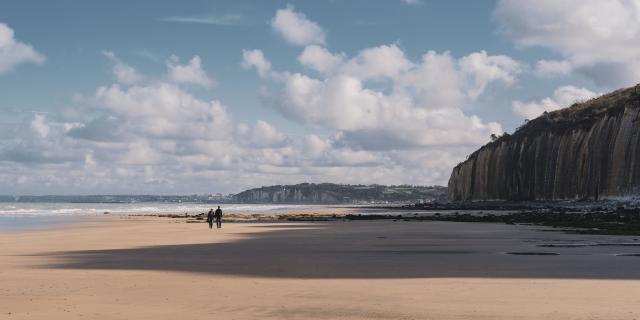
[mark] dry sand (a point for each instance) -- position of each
(154, 268)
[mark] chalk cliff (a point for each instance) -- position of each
(590, 150)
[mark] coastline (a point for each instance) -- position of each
(25, 220)
(607, 218)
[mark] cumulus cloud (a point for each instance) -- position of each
(384, 61)
(296, 29)
(552, 68)
(262, 135)
(14, 52)
(320, 59)
(423, 106)
(434, 81)
(191, 73)
(485, 69)
(39, 126)
(159, 124)
(164, 110)
(123, 72)
(596, 38)
(377, 116)
(39, 144)
(255, 59)
(159, 137)
(339, 102)
(562, 98)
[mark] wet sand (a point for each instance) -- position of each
(159, 268)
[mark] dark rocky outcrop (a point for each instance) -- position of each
(590, 150)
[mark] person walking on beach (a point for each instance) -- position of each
(210, 218)
(218, 215)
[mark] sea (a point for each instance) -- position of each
(20, 216)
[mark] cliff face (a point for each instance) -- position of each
(590, 150)
(287, 195)
(328, 193)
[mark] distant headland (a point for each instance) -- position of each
(303, 193)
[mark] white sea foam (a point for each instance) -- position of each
(88, 209)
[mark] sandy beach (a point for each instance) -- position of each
(159, 268)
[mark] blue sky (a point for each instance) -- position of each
(217, 96)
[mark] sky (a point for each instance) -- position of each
(181, 97)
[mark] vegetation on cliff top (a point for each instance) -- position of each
(579, 114)
(339, 193)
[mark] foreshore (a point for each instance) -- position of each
(592, 218)
(132, 267)
(322, 213)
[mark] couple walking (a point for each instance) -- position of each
(217, 215)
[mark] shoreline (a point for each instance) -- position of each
(620, 221)
(33, 223)
(26, 222)
(568, 217)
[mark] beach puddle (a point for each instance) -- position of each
(532, 253)
(617, 244)
(426, 251)
(563, 245)
(582, 245)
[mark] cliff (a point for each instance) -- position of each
(590, 150)
(328, 193)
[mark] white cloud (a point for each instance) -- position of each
(39, 126)
(191, 72)
(314, 146)
(434, 81)
(320, 59)
(141, 153)
(562, 97)
(419, 105)
(374, 117)
(339, 102)
(262, 135)
(384, 61)
(156, 133)
(423, 108)
(220, 20)
(412, 2)
(156, 136)
(255, 59)
(14, 52)
(597, 38)
(296, 29)
(124, 73)
(552, 68)
(442, 81)
(163, 110)
(37, 144)
(484, 69)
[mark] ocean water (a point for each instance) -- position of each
(92, 209)
(16, 216)
(32, 222)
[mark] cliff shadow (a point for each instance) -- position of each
(374, 250)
